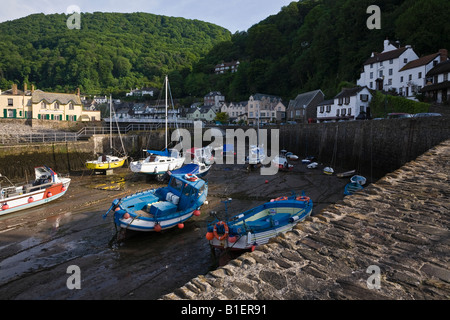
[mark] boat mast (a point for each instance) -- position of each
(110, 122)
(167, 84)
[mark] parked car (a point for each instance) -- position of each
(398, 115)
(427, 114)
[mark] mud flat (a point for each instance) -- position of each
(37, 246)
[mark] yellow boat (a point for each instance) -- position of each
(106, 162)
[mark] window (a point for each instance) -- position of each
(343, 112)
(371, 75)
(381, 63)
(349, 111)
(389, 82)
(321, 109)
(420, 75)
(371, 85)
(371, 65)
(56, 105)
(381, 73)
(364, 97)
(71, 107)
(405, 60)
(391, 61)
(347, 100)
(10, 102)
(340, 101)
(445, 76)
(337, 112)
(401, 79)
(328, 108)
(410, 77)
(43, 105)
(390, 72)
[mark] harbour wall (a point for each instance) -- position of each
(373, 148)
(389, 241)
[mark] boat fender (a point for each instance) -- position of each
(158, 227)
(197, 213)
(225, 234)
(293, 219)
(281, 198)
(49, 194)
(232, 239)
(5, 206)
(30, 199)
(209, 236)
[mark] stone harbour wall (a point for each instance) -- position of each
(398, 226)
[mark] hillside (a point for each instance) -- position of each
(314, 44)
(111, 51)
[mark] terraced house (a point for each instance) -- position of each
(37, 104)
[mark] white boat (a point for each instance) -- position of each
(328, 170)
(159, 162)
(282, 163)
(46, 187)
(312, 165)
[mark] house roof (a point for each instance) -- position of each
(50, 97)
(304, 99)
(442, 67)
(260, 96)
(378, 57)
(325, 103)
(349, 92)
(436, 86)
(420, 62)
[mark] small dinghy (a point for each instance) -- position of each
(256, 226)
(328, 170)
(162, 208)
(358, 179)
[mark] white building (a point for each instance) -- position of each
(234, 109)
(398, 70)
(349, 104)
(214, 98)
(437, 88)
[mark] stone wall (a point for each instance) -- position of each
(400, 225)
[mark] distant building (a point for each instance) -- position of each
(349, 104)
(226, 66)
(37, 104)
(141, 92)
(214, 98)
(304, 107)
(265, 108)
(437, 87)
(234, 109)
(398, 69)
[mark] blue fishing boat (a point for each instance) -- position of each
(162, 208)
(352, 187)
(256, 226)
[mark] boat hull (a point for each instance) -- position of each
(155, 168)
(39, 197)
(97, 165)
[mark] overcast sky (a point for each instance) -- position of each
(235, 15)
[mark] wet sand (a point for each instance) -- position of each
(38, 245)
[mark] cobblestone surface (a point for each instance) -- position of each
(400, 224)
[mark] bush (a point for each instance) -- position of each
(382, 104)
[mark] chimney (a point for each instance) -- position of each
(78, 91)
(32, 88)
(25, 87)
(444, 54)
(14, 89)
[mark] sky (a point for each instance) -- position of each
(234, 15)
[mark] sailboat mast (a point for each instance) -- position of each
(110, 122)
(167, 84)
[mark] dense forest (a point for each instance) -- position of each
(319, 44)
(308, 45)
(111, 51)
